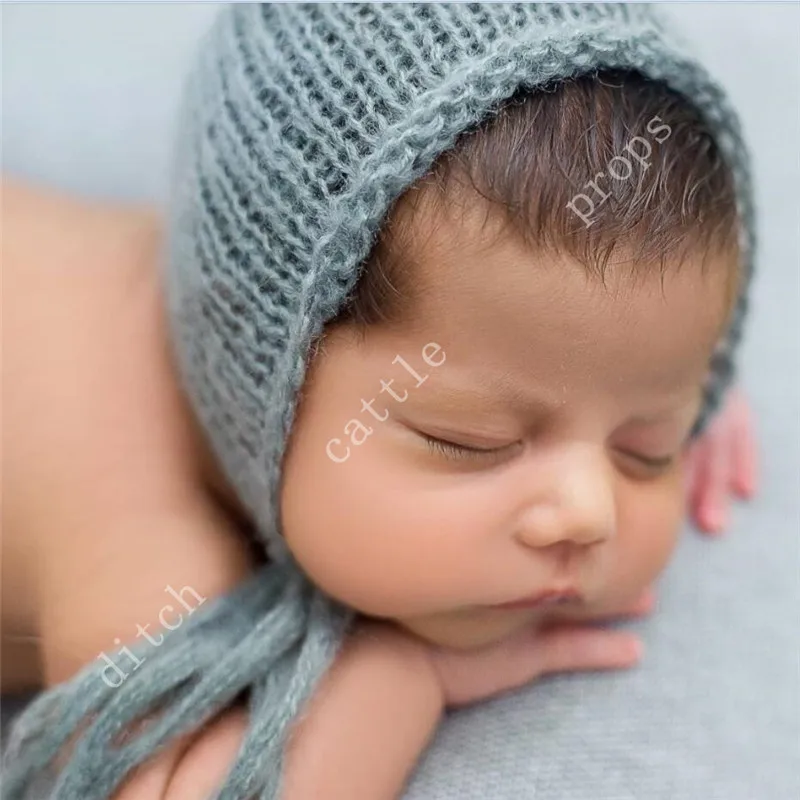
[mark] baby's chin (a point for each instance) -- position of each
(473, 628)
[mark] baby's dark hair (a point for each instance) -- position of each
(609, 164)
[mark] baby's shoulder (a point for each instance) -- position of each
(57, 242)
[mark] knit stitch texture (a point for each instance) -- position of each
(301, 125)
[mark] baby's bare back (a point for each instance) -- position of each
(105, 499)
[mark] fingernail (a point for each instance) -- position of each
(636, 649)
(714, 521)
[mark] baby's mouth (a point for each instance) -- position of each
(545, 599)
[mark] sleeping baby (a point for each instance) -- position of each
(414, 391)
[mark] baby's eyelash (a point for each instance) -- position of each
(653, 463)
(453, 450)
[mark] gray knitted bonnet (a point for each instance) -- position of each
(301, 125)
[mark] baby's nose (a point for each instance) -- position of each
(549, 525)
(579, 508)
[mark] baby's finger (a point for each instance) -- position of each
(713, 482)
(640, 607)
(699, 478)
(467, 677)
(573, 648)
(691, 472)
(743, 450)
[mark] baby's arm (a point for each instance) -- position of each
(378, 707)
(360, 737)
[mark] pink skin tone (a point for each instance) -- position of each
(722, 464)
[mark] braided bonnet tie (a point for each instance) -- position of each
(275, 636)
(301, 124)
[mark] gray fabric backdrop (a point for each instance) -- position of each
(89, 97)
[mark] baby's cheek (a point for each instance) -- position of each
(650, 519)
(349, 525)
(322, 521)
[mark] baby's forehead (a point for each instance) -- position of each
(483, 292)
(464, 249)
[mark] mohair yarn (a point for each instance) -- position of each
(301, 125)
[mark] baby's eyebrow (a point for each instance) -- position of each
(484, 393)
(678, 405)
(646, 419)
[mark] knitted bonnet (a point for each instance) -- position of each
(301, 125)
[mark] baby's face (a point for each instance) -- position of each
(562, 409)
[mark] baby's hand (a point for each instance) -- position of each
(471, 676)
(721, 462)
